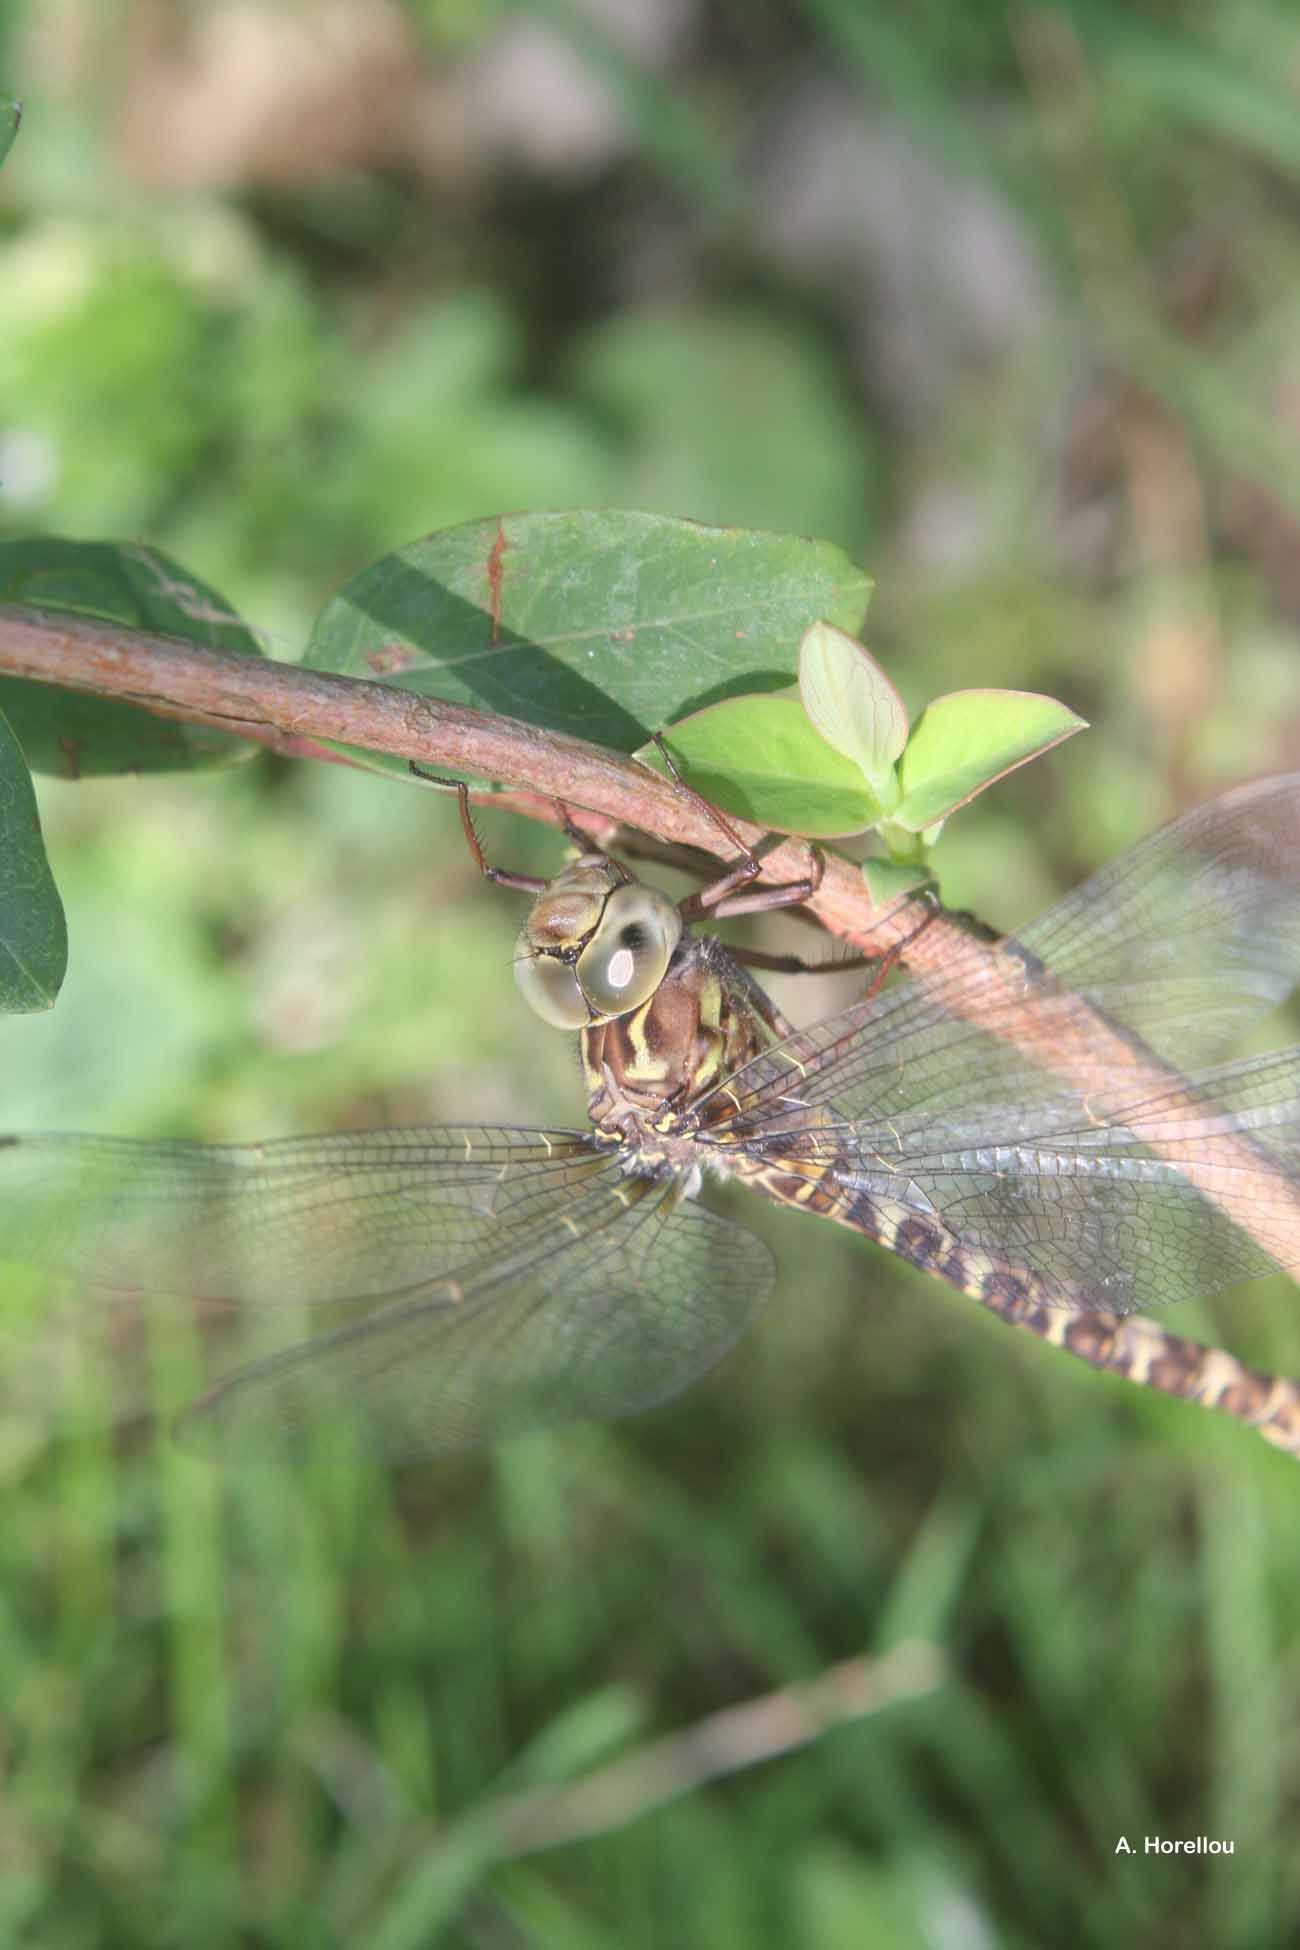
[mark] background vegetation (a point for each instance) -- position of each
(1006, 300)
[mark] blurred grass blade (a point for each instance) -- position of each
(194, 1576)
(11, 114)
(1198, 83)
(584, 1735)
(927, 1588)
(1247, 1693)
(33, 932)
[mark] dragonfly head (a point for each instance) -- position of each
(596, 944)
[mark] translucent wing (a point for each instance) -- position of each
(301, 1221)
(1195, 933)
(1106, 1212)
(488, 1281)
(602, 1322)
(1183, 942)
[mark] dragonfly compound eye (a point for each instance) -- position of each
(594, 945)
(562, 921)
(628, 956)
(550, 987)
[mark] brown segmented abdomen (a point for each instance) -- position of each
(1128, 1345)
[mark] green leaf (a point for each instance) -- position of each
(853, 705)
(965, 741)
(760, 758)
(11, 114)
(604, 624)
(73, 735)
(33, 934)
(890, 880)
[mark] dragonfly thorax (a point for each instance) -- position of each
(596, 944)
(644, 1070)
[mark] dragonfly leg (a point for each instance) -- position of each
(720, 898)
(880, 964)
(898, 949)
(795, 964)
(525, 883)
(725, 905)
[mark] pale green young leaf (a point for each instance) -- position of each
(966, 740)
(760, 758)
(854, 705)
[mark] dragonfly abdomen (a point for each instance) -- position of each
(815, 1187)
(1137, 1350)
(1126, 1345)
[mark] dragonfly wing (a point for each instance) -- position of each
(1105, 1210)
(1095, 1194)
(355, 1218)
(1184, 942)
(904, 1098)
(1194, 934)
(486, 1281)
(608, 1305)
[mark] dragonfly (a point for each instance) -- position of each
(1046, 1123)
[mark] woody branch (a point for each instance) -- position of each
(289, 710)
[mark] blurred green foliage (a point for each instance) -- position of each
(1003, 299)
